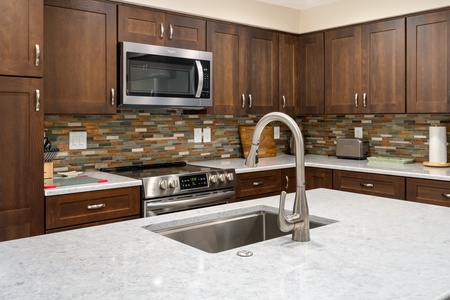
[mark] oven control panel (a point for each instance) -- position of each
(193, 181)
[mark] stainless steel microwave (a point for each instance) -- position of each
(156, 76)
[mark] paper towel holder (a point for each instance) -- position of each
(441, 140)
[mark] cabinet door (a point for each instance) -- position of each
(263, 71)
(185, 32)
(343, 70)
(312, 94)
(288, 74)
(80, 58)
(228, 44)
(428, 191)
(258, 184)
(288, 180)
(318, 178)
(140, 25)
(21, 37)
(22, 185)
(428, 63)
(383, 62)
(371, 184)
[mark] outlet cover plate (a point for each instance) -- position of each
(77, 140)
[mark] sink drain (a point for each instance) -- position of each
(244, 253)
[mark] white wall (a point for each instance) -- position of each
(259, 14)
(347, 12)
(248, 12)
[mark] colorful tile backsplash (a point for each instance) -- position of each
(132, 137)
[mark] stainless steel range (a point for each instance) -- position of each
(172, 187)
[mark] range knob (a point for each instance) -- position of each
(222, 177)
(213, 178)
(163, 185)
(173, 183)
(230, 176)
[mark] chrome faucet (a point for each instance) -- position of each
(298, 221)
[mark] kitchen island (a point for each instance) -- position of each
(379, 249)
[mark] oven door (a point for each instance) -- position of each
(160, 206)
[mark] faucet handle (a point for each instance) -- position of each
(282, 221)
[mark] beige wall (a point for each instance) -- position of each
(251, 12)
(347, 12)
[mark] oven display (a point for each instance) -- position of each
(193, 181)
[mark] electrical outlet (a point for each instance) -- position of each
(197, 135)
(207, 135)
(276, 132)
(358, 132)
(77, 140)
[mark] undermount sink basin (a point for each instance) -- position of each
(224, 234)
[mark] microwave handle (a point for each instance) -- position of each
(200, 78)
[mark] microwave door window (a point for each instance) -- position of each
(153, 77)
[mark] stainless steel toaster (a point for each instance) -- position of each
(352, 148)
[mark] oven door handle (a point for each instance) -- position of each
(194, 201)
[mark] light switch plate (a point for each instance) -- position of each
(197, 135)
(77, 140)
(276, 132)
(358, 132)
(207, 135)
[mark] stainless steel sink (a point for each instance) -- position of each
(224, 234)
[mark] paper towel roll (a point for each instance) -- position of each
(438, 145)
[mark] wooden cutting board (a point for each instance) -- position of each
(267, 147)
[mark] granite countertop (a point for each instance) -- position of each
(416, 170)
(379, 249)
(113, 182)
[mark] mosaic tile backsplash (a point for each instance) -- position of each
(132, 137)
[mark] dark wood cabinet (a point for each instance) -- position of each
(80, 57)
(21, 37)
(288, 72)
(371, 184)
(311, 74)
(365, 68)
(428, 191)
(245, 69)
(318, 178)
(141, 25)
(21, 186)
(428, 63)
(78, 210)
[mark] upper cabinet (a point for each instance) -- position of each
(365, 68)
(21, 36)
(288, 72)
(245, 69)
(311, 73)
(141, 25)
(428, 63)
(80, 57)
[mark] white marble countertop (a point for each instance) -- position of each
(114, 182)
(417, 170)
(380, 249)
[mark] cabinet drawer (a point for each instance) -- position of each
(371, 184)
(428, 191)
(318, 178)
(82, 208)
(258, 183)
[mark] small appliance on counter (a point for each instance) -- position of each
(352, 148)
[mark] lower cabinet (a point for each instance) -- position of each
(265, 183)
(318, 178)
(370, 184)
(71, 211)
(428, 191)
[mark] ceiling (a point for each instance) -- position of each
(298, 4)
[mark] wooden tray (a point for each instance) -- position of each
(436, 165)
(267, 147)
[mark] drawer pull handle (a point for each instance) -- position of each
(257, 183)
(95, 206)
(446, 196)
(243, 100)
(37, 50)
(367, 185)
(287, 183)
